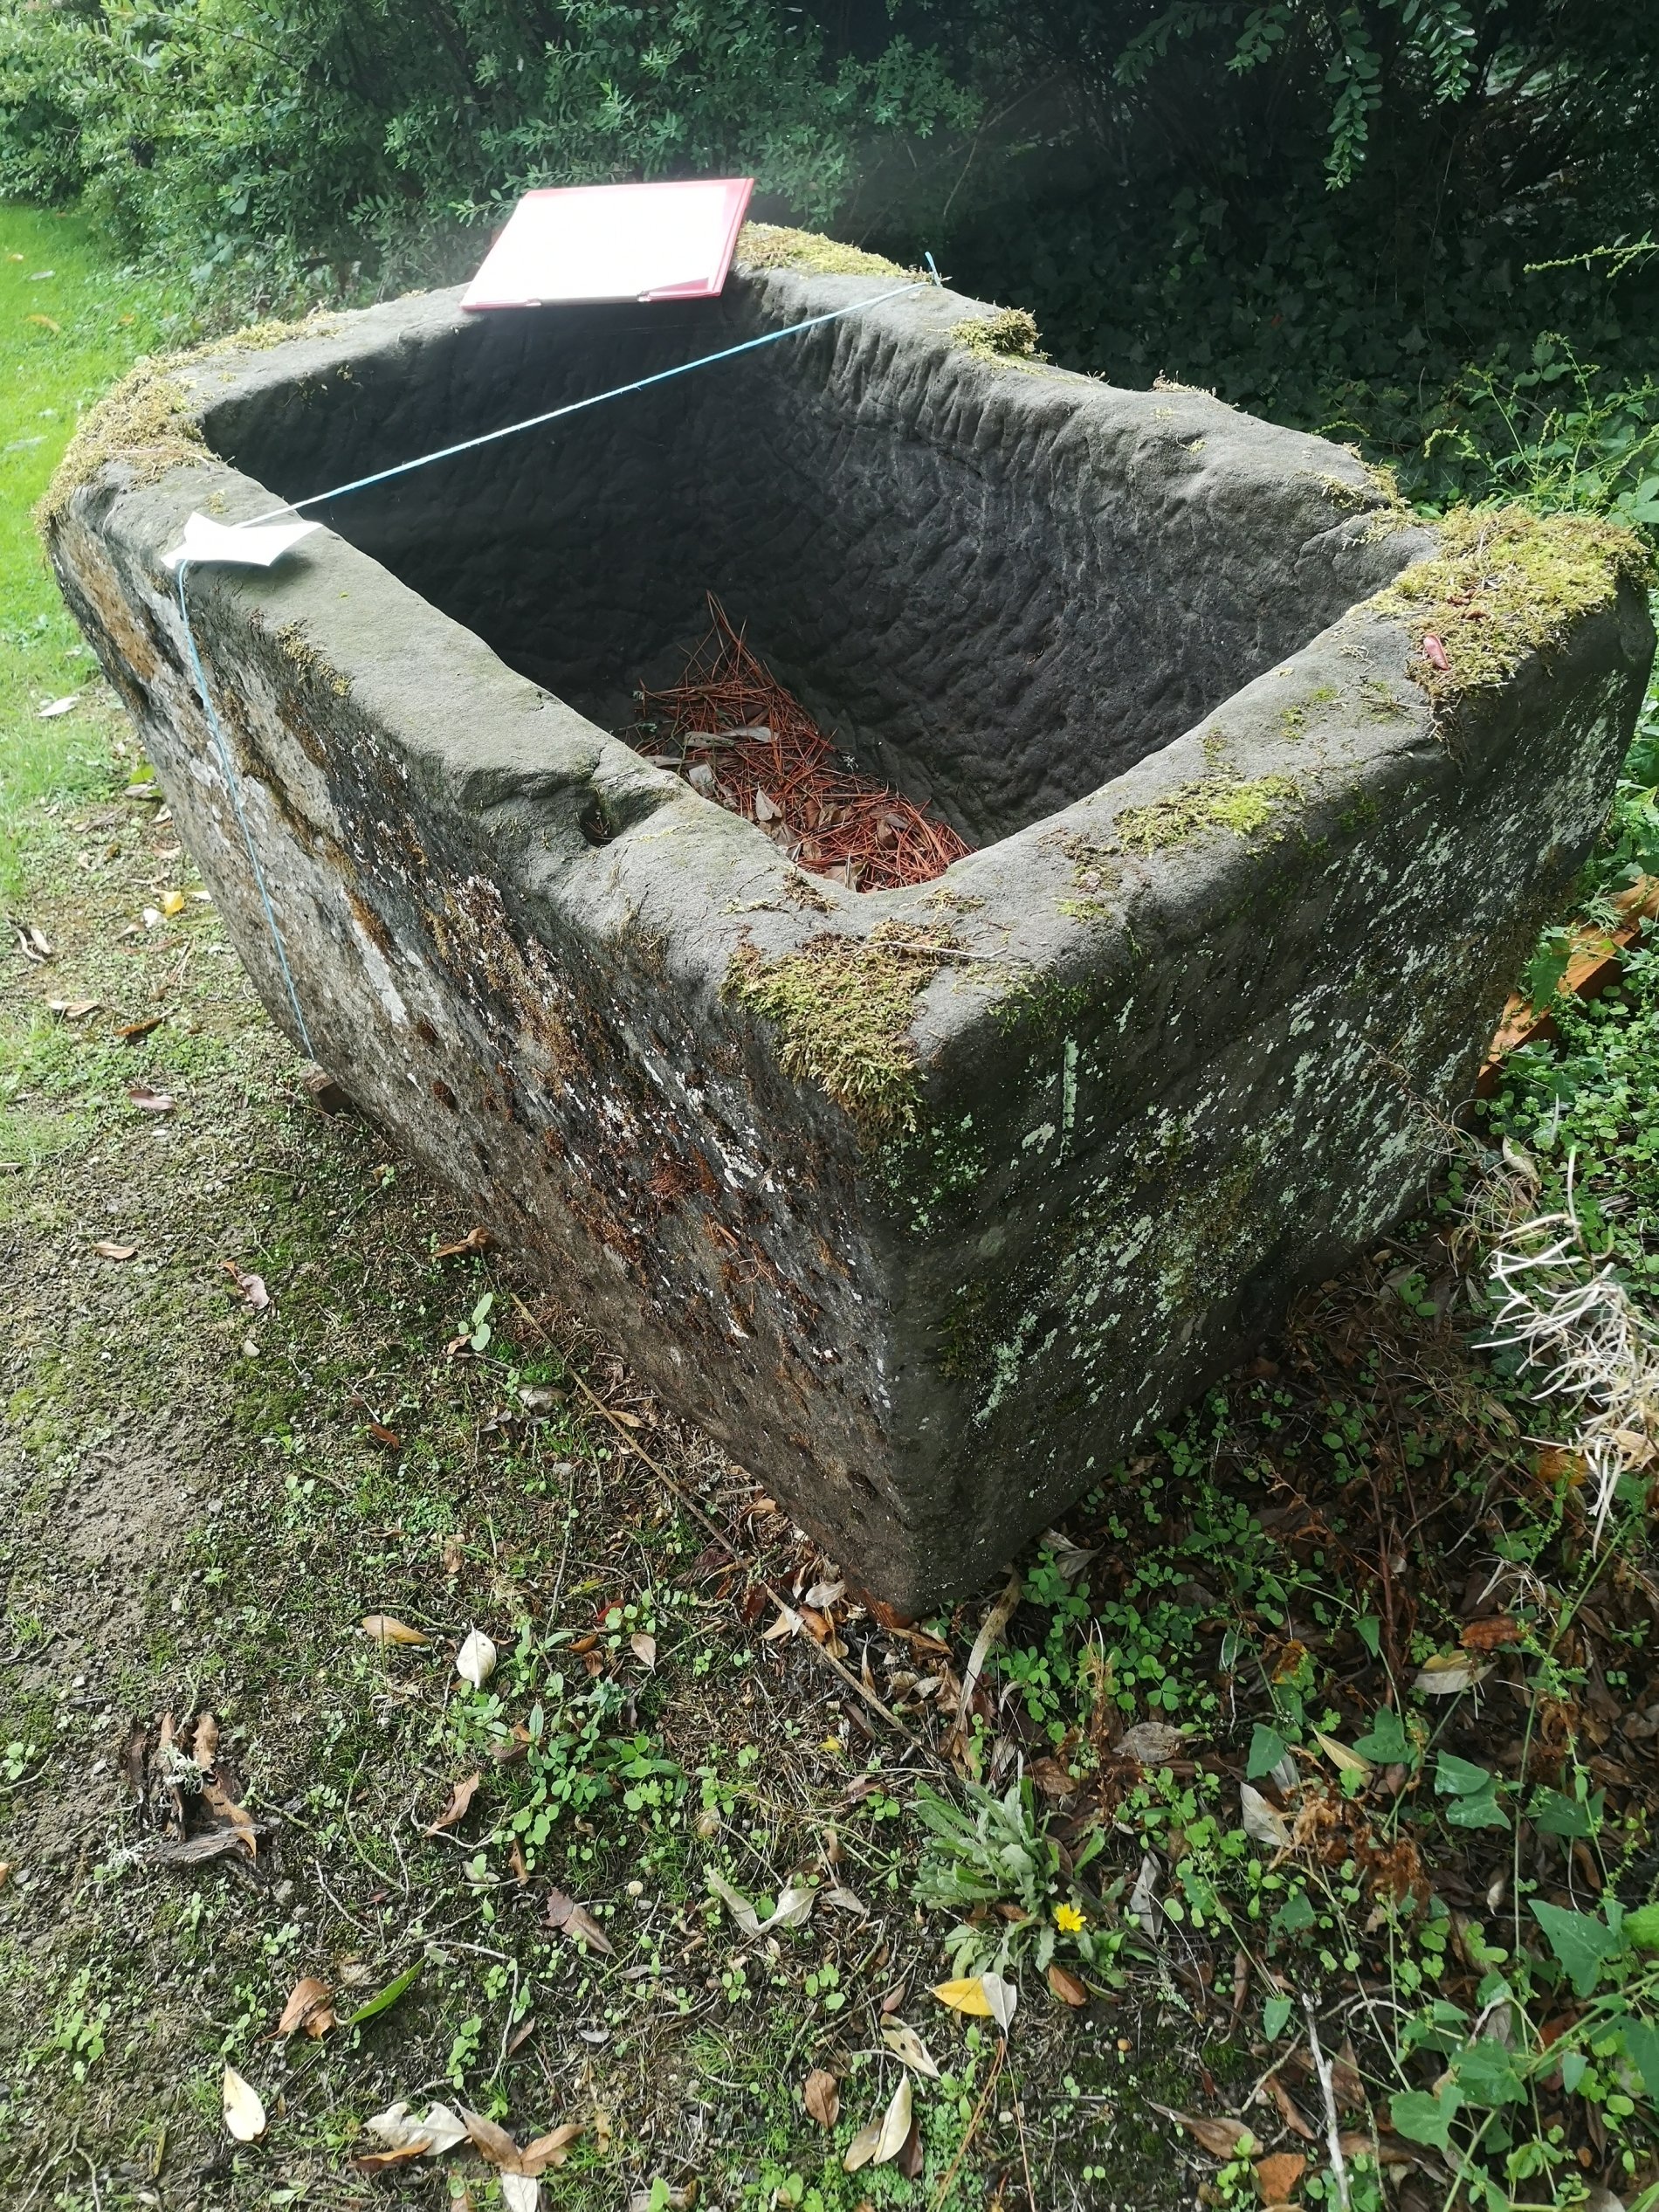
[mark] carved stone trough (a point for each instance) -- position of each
(926, 1203)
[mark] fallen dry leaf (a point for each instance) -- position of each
(205, 1741)
(149, 1101)
(387, 1438)
(906, 2045)
(1290, 2113)
(1222, 2138)
(475, 1661)
(644, 1648)
(551, 2149)
(460, 1797)
(1066, 1985)
(389, 2161)
(823, 2097)
(1150, 1743)
(1277, 2176)
(1264, 1822)
(1448, 1673)
(398, 2129)
(308, 2007)
(575, 1919)
(1486, 1635)
(895, 2126)
(793, 1909)
(380, 1628)
(520, 2192)
(243, 2112)
(172, 903)
(475, 1240)
(105, 1250)
(489, 2139)
(1344, 1762)
(967, 1995)
(130, 1032)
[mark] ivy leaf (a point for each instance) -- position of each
(1422, 2118)
(1485, 2070)
(1556, 1815)
(1276, 2014)
(1642, 2047)
(1387, 1743)
(1267, 1748)
(1582, 1944)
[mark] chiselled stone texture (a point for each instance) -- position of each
(924, 1203)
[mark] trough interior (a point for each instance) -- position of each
(985, 611)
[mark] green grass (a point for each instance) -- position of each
(64, 336)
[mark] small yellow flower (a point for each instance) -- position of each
(1068, 1919)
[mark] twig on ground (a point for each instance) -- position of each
(1326, 2072)
(971, 2128)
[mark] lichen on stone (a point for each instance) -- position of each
(1195, 810)
(770, 245)
(1506, 581)
(842, 1006)
(149, 420)
(1009, 337)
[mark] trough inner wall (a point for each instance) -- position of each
(975, 581)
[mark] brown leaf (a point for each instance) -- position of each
(1288, 2112)
(519, 1873)
(105, 1250)
(387, 2162)
(380, 1628)
(1346, 2081)
(1277, 2176)
(549, 2149)
(388, 1438)
(575, 1919)
(130, 1032)
(644, 1648)
(454, 1554)
(475, 1240)
(1486, 1635)
(491, 2142)
(205, 1741)
(149, 1101)
(1436, 652)
(1220, 2138)
(1066, 1985)
(308, 2007)
(460, 1797)
(823, 2097)
(910, 2158)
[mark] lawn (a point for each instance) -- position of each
(1303, 1806)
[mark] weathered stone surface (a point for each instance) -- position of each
(926, 1203)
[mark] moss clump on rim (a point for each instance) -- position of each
(1507, 581)
(1010, 337)
(843, 1005)
(148, 419)
(1213, 802)
(770, 245)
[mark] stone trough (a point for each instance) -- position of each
(926, 1203)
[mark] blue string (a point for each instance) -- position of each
(596, 399)
(214, 726)
(425, 461)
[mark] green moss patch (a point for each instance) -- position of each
(1506, 582)
(1010, 336)
(844, 1006)
(149, 420)
(1213, 802)
(771, 246)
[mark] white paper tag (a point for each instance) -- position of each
(253, 546)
